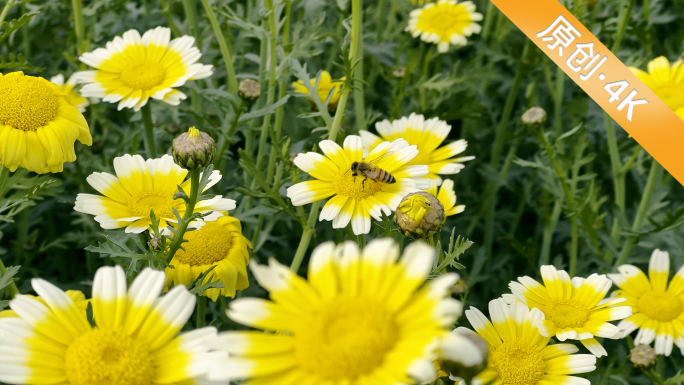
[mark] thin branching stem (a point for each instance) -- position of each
(189, 210)
(150, 144)
(223, 42)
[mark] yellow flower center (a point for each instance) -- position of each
(415, 207)
(210, 244)
(108, 357)
(672, 95)
(345, 339)
(357, 187)
(161, 203)
(518, 364)
(193, 132)
(143, 76)
(26, 102)
(661, 306)
(444, 20)
(566, 313)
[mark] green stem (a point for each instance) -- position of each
(272, 78)
(570, 199)
(165, 10)
(218, 160)
(549, 229)
(423, 76)
(655, 377)
(12, 289)
(335, 127)
(616, 164)
(223, 45)
(150, 144)
(654, 174)
(189, 210)
(5, 10)
(190, 9)
(489, 19)
(379, 18)
(558, 101)
(359, 104)
(78, 28)
(361, 240)
(201, 311)
(4, 177)
(625, 14)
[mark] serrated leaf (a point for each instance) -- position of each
(117, 248)
(263, 111)
(18, 62)
(6, 278)
(13, 25)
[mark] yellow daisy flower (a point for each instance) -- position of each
(665, 81)
(140, 186)
(76, 295)
(519, 355)
(445, 22)
(219, 243)
(325, 85)
(136, 339)
(573, 309)
(357, 198)
(73, 97)
(427, 135)
(657, 307)
(133, 69)
(38, 126)
(447, 197)
(360, 318)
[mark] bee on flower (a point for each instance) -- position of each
(427, 135)
(133, 68)
(354, 196)
(445, 23)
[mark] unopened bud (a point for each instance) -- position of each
(420, 215)
(193, 149)
(535, 117)
(464, 354)
(399, 72)
(643, 357)
(249, 90)
(459, 287)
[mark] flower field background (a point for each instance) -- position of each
(292, 93)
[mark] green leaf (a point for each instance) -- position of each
(6, 278)
(116, 248)
(457, 246)
(197, 287)
(4, 305)
(18, 62)
(263, 111)
(13, 25)
(8, 205)
(676, 379)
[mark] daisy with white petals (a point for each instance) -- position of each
(73, 97)
(658, 307)
(357, 198)
(132, 69)
(446, 196)
(135, 342)
(445, 23)
(573, 309)
(141, 186)
(360, 318)
(426, 135)
(519, 355)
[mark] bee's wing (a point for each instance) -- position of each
(381, 157)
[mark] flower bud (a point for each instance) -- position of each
(399, 72)
(420, 215)
(643, 357)
(535, 117)
(464, 354)
(459, 287)
(249, 90)
(193, 149)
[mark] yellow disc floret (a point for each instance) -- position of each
(661, 306)
(566, 313)
(143, 76)
(348, 338)
(358, 187)
(108, 357)
(210, 244)
(445, 20)
(518, 364)
(161, 203)
(26, 102)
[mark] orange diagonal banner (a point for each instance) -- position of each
(603, 76)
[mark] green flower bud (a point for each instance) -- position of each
(643, 357)
(249, 90)
(420, 215)
(535, 117)
(193, 149)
